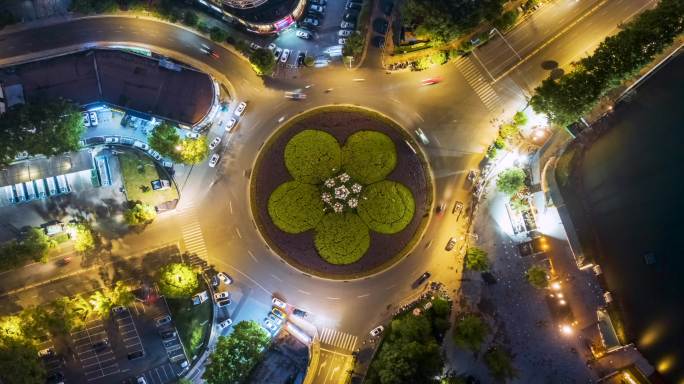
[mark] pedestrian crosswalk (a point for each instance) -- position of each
(338, 339)
(192, 232)
(477, 81)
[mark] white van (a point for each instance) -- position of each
(30, 191)
(40, 188)
(62, 183)
(51, 186)
(9, 192)
(19, 189)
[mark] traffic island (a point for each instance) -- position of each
(340, 193)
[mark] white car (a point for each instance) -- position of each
(316, 8)
(303, 35)
(221, 295)
(231, 123)
(158, 322)
(275, 320)
(285, 56)
(344, 32)
(111, 140)
(214, 160)
(242, 106)
(141, 145)
(86, 119)
(278, 303)
(277, 53)
(422, 137)
(223, 303)
(342, 41)
(254, 46)
(192, 135)
(377, 330)
(225, 278)
(347, 25)
(268, 324)
(214, 143)
(225, 323)
(272, 47)
(93, 118)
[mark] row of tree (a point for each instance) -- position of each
(19, 334)
(410, 352)
(564, 100)
(33, 245)
(40, 128)
(445, 20)
(167, 142)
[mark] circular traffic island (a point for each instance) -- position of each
(338, 192)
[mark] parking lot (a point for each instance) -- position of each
(93, 351)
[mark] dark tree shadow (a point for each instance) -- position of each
(549, 65)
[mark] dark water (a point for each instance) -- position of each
(634, 183)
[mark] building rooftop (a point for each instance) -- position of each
(119, 78)
(40, 168)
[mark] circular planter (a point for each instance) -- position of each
(299, 249)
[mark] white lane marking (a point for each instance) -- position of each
(304, 292)
(276, 277)
(332, 298)
(364, 295)
(230, 205)
(252, 256)
(237, 231)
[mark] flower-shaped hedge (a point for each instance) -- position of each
(341, 193)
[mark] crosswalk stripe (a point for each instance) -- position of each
(475, 79)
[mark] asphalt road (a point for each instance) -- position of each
(455, 115)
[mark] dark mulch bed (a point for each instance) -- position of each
(299, 249)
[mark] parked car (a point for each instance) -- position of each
(225, 323)
(47, 352)
(230, 124)
(377, 331)
(100, 345)
(458, 207)
(140, 145)
(278, 313)
(347, 25)
(300, 58)
(319, 2)
(136, 355)
(344, 32)
(119, 309)
(93, 119)
(303, 35)
(450, 244)
(215, 281)
(351, 16)
(86, 119)
(312, 21)
(342, 41)
(355, 6)
(141, 380)
(276, 320)
(269, 325)
(221, 295)
(277, 52)
(285, 56)
(192, 135)
(55, 378)
(278, 303)
(254, 46)
(163, 320)
(167, 334)
(272, 47)
(225, 278)
(214, 160)
(316, 8)
(243, 105)
(223, 303)
(299, 312)
(214, 143)
(111, 140)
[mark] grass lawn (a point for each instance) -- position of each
(192, 321)
(138, 172)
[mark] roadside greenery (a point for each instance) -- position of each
(511, 181)
(177, 281)
(444, 20)
(476, 259)
(499, 363)
(263, 61)
(470, 331)
(192, 151)
(167, 142)
(138, 172)
(341, 238)
(140, 214)
(312, 156)
(236, 355)
(618, 58)
(40, 128)
(295, 207)
(537, 276)
(410, 351)
(218, 34)
(354, 45)
(84, 239)
(192, 321)
(369, 156)
(164, 139)
(386, 206)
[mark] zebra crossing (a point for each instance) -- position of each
(192, 233)
(478, 83)
(338, 339)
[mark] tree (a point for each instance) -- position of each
(354, 45)
(439, 57)
(499, 363)
(37, 244)
(165, 140)
(81, 307)
(506, 20)
(470, 331)
(101, 303)
(46, 127)
(65, 316)
(519, 204)
(190, 18)
(537, 276)
(84, 241)
(476, 259)
(193, 151)
(140, 214)
(20, 356)
(511, 180)
(218, 34)
(262, 60)
(508, 130)
(177, 281)
(235, 355)
(520, 118)
(121, 294)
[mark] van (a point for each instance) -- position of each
(62, 183)
(9, 193)
(19, 189)
(30, 190)
(51, 186)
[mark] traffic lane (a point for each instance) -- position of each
(333, 367)
(578, 41)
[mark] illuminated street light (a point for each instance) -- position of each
(566, 329)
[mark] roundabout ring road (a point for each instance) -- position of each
(221, 199)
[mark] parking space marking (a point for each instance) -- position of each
(83, 346)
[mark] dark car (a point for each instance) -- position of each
(101, 345)
(356, 6)
(167, 334)
(299, 312)
(300, 59)
(421, 280)
(136, 355)
(450, 244)
(56, 377)
(311, 21)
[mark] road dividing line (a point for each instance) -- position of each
(252, 256)
(364, 295)
(332, 298)
(237, 231)
(230, 205)
(304, 292)
(276, 277)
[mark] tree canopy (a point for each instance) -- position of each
(354, 45)
(537, 276)
(470, 331)
(164, 139)
(499, 363)
(84, 240)
(192, 151)
(262, 60)
(236, 354)
(476, 259)
(140, 214)
(511, 180)
(445, 20)
(177, 281)
(40, 128)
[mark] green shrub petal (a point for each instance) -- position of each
(386, 206)
(295, 207)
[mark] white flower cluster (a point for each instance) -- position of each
(341, 192)
(338, 194)
(356, 188)
(353, 202)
